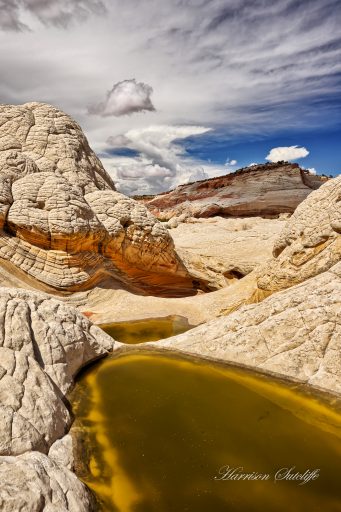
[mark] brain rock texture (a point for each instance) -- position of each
(61, 220)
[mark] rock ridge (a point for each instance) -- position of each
(258, 190)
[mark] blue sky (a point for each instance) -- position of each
(324, 148)
(169, 92)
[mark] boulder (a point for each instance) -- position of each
(33, 482)
(61, 221)
(310, 242)
(43, 344)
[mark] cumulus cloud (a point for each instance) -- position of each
(158, 142)
(198, 175)
(49, 12)
(125, 98)
(287, 153)
(161, 162)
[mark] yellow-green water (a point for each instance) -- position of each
(151, 329)
(153, 432)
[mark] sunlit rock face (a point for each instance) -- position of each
(43, 344)
(308, 246)
(296, 331)
(260, 190)
(61, 220)
(32, 481)
(310, 242)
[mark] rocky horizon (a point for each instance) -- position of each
(259, 190)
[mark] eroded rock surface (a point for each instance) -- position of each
(232, 246)
(260, 190)
(61, 220)
(43, 344)
(310, 242)
(61, 452)
(32, 482)
(302, 256)
(294, 333)
(63, 224)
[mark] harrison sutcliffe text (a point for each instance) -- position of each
(282, 474)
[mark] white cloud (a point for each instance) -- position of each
(287, 153)
(198, 175)
(241, 67)
(161, 162)
(125, 98)
(230, 162)
(157, 142)
(203, 67)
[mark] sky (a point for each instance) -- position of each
(174, 91)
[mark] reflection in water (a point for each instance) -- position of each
(150, 329)
(154, 430)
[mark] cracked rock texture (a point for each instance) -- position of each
(310, 242)
(308, 245)
(294, 333)
(61, 220)
(61, 452)
(232, 245)
(260, 190)
(33, 482)
(43, 344)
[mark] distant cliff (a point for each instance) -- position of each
(262, 190)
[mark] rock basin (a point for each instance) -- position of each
(153, 432)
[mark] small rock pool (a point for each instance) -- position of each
(156, 432)
(150, 329)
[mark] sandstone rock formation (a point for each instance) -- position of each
(295, 333)
(32, 482)
(62, 222)
(234, 247)
(61, 452)
(299, 260)
(310, 242)
(260, 190)
(43, 344)
(64, 228)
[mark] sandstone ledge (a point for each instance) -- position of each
(259, 190)
(294, 334)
